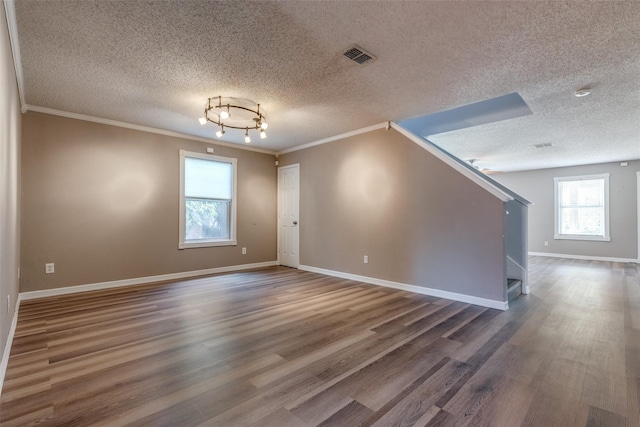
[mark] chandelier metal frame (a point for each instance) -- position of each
(218, 110)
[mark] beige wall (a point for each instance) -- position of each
(419, 221)
(9, 183)
(538, 187)
(101, 202)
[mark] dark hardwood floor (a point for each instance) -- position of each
(282, 347)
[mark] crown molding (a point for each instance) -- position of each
(148, 129)
(12, 26)
(334, 138)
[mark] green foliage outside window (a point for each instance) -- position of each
(206, 219)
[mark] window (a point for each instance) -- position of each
(207, 200)
(582, 207)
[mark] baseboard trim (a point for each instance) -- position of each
(7, 347)
(140, 280)
(584, 257)
(498, 305)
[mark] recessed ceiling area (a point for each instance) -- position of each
(156, 63)
(493, 110)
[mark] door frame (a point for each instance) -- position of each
(292, 166)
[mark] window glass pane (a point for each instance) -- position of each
(582, 193)
(587, 221)
(207, 178)
(581, 207)
(207, 219)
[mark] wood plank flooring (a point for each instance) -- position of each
(282, 347)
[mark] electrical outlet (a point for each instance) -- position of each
(546, 243)
(366, 259)
(49, 268)
(210, 150)
(244, 251)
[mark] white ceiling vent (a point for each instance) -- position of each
(544, 145)
(359, 55)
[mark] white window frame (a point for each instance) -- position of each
(182, 244)
(557, 234)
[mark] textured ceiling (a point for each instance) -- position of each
(154, 63)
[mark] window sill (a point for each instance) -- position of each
(207, 244)
(581, 237)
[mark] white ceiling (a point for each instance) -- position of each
(155, 63)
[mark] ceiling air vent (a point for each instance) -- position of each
(544, 145)
(359, 55)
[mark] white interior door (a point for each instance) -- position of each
(288, 215)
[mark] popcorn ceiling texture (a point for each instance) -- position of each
(154, 63)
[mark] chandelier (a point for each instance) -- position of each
(235, 113)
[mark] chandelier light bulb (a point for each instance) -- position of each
(202, 120)
(225, 114)
(263, 134)
(246, 136)
(264, 125)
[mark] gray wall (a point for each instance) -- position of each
(537, 186)
(9, 183)
(101, 202)
(419, 221)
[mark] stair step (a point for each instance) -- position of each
(514, 289)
